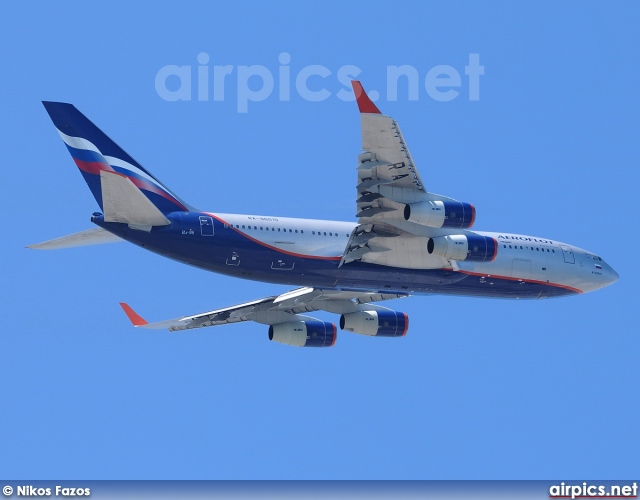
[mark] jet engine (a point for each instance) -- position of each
(471, 247)
(376, 323)
(441, 214)
(304, 333)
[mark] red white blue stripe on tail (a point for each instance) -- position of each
(93, 151)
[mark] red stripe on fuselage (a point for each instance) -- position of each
(293, 254)
(511, 278)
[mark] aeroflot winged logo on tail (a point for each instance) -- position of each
(406, 241)
(93, 153)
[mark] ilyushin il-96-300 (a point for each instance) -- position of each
(406, 241)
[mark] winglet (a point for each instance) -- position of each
(133, 316)
(365, 105)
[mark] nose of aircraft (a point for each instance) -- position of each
(612, 276)
(603, 274)
(609, 275)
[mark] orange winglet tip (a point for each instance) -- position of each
(133, 316)
(365, 105)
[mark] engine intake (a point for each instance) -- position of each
(441, 214)
(376, 323)
(304, 333)
(471, 247)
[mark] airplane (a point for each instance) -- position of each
(406, 241)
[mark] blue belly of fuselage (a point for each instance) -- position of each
(222, 249)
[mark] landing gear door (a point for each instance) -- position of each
(206, 225)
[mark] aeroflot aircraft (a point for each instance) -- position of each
(406, 241)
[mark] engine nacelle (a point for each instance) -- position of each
(441, 214)
(304, 333)
(376, 323)
(471, 247)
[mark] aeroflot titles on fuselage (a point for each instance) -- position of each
(525, 238)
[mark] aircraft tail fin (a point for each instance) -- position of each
(98, 158)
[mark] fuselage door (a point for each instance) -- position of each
(567, 253)
(234, 260)
(283, 265)
(206, 225)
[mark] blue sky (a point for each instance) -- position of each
(478, 389)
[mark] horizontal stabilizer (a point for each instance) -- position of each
(94, 236)
(123, 202)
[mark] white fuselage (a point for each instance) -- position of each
(519, 257)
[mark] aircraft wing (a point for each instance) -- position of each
(273, 310)
(387, 181)
(386, 160)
